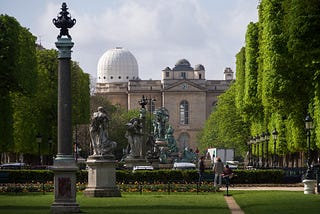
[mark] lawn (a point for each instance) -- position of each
(250, 201)
(129, 203)
(277, 202)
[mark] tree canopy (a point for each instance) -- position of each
(277, 81)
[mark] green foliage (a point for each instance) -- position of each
(259, 176)
(225, 127)
(240, 76)
(252, 100)
(28, 91)
(18, 76)
(280, 82)
(80, 82)
(154, 176)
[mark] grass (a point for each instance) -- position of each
(250, 201)
(277, 202)
(129, 203)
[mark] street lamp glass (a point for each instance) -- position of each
(38, 138)
(309, 122)
(257, 138)
(275, 134)
(267, 135)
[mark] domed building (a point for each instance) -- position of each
(183, 90)
(117, 65)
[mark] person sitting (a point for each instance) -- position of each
(227, 174)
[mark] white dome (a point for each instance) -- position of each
(117, 65)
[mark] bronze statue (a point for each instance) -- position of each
(160, 123)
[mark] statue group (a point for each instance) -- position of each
(160, 144)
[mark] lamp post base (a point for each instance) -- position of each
(309, 186)
(65, 189)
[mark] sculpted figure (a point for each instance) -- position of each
(100, 142)
(172, 145)
(159, 123)
(134, 137)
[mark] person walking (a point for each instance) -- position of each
(218, 170)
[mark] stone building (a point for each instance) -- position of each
(183, 90)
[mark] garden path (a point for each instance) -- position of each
(233, 206)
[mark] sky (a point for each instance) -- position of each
(157, 32)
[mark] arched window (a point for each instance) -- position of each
(184, 112)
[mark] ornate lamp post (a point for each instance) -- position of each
(39, 140)
(64, 167)
(252, 156)
(267, 137)
(258, 150)
(275, 136)
(50, 151)
(309, 182)
(249, 151)
(255, 151)
(309, 125)
(262, 139)
(151, 102)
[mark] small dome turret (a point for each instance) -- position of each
(182, 65)
(199, 67)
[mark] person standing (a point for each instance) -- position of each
(218, 170)
(201, 168)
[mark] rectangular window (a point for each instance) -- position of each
(167, 74)
(183, 75)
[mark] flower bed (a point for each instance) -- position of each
(131, 187)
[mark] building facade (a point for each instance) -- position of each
(183, 91)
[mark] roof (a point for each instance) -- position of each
(117, 65)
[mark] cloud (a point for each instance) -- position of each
(158, 33)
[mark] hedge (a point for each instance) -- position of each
(155, 176)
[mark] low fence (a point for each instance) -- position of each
(148, 181)
(161, 176)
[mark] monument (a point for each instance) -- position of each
(159, 148)
(137, 138)
(64, 166)
(102, 163)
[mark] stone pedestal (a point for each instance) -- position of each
(101, 178)
(65, 185)
(309, 186)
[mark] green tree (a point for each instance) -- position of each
(225, 127)
(252, 100)
(18, 76)
(241, 81)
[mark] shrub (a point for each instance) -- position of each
(154, 176)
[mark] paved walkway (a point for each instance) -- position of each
(274, 188)
(233, 206)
